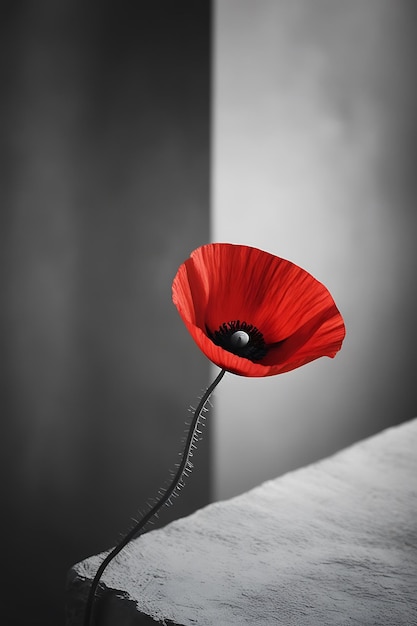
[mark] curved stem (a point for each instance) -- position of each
(165, 497)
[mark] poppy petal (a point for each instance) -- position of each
(222, 283)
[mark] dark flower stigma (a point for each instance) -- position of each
(242, 339)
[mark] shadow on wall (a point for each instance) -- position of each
(105, 190)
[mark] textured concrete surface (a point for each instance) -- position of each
(331, 544)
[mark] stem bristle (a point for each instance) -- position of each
(165, 495)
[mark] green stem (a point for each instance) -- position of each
(164, 499)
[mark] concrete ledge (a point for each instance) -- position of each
(334, 543)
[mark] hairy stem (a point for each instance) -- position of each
(163, 499)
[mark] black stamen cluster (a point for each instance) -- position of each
(254, 350)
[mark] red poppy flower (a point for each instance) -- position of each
(253, 313)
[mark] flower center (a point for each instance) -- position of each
(242, 339)
(239, 339)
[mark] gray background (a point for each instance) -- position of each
(314, 159)
(104, 192)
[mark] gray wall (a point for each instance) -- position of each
(315, 134)
(104, 191)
